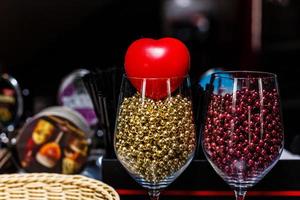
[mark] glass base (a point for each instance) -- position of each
(154, 194)
(155, 186)
(240, 194)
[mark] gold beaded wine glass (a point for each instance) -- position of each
(155, 136)
(243, 133)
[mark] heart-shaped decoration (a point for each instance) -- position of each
(157, 67)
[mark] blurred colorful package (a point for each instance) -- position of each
(55, 140)
(73, 94)
(11, 103)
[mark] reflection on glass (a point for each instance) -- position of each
(155, 133)
(243, 133)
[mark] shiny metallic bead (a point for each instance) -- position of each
(154, 139)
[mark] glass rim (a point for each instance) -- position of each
(261, 74)
(153, 78)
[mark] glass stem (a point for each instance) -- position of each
(154, 194)
(240, 194)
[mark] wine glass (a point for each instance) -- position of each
(155, 136)
(243, 132)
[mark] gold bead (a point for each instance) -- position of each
(148, 146)
(154, 139)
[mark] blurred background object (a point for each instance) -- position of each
(11, 103)
(72, 93)
(55, 140)
(42, 41)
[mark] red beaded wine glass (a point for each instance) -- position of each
(243, 132)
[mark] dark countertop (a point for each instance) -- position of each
(200, 181)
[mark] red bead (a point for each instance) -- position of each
(247, 133)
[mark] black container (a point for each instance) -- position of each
(199, 181)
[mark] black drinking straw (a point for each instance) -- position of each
(91, 83)
(103, 86)
(104, 121)
(88, 81)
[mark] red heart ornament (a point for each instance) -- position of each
(157, 67)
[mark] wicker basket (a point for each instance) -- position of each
(43, 186)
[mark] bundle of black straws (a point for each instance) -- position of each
(103, 87)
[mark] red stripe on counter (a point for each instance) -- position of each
(209, 193)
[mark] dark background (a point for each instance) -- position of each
(42, 41)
